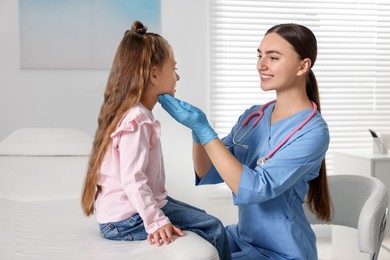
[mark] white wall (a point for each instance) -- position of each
(72, 98)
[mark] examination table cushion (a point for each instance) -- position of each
(41, 175)
(56, 229)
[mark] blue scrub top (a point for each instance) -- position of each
(272, 223)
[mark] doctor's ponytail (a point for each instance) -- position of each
(304, 43)
(318, 197)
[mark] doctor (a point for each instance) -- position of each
(273, 160)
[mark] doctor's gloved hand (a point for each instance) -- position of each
(190, 116)
(195, 137)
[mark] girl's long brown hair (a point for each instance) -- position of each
(137, 53)
(305, 44)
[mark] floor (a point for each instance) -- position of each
(325, 250)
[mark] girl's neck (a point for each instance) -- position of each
(148, 102)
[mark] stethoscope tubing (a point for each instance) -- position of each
(260, 114)
(299, 127)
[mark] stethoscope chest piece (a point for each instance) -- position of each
(261, 161)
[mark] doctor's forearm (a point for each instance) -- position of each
(202, 162)
(228, 167)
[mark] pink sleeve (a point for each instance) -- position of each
(134, 139)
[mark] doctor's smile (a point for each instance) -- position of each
(265, 76)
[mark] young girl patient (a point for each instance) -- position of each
(125, 180)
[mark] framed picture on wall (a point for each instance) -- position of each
(74, 34)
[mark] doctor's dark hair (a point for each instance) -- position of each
(304, 43)
(137, 53)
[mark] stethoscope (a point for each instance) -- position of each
(259, 113)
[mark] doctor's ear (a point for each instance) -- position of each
(304, 66)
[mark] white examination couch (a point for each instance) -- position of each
(41, 175)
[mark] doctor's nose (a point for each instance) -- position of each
(261, 65)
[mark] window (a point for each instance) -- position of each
(352, 67)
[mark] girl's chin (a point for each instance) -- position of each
(170, 93)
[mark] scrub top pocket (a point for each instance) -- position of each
(282, 232)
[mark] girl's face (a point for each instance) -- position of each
(167, 77)
(279, 66)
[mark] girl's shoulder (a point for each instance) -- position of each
(138, 113)
(136, 117)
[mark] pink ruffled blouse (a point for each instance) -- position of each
(132, 173)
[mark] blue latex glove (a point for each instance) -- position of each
(195, 137)
(190, 116)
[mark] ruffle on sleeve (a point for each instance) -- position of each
(134, 124)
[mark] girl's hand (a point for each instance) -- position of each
(164, 235)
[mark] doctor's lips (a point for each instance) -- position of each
(266, 76)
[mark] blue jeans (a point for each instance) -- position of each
(181, 215)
